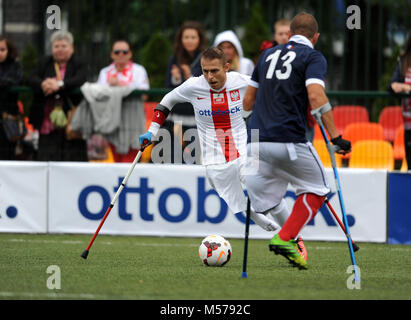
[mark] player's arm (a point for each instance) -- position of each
(249, 98)
(320, 105)
(161, 111)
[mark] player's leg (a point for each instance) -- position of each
(280, 214)
(263, 221)
(226, 180)
(265, 189)
(308, 176)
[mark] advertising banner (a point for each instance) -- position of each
(399, 208)
(177, 200)
(23, 196)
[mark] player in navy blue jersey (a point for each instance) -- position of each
(287, 79)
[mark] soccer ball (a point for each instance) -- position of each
(215, 251)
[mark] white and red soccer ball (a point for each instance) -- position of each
(215, 251)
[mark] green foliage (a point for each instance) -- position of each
(28, 59)
(256, 31)
(154, 57)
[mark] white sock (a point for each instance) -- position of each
(263, 221)
(280, 213)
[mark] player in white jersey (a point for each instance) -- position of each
(217, 100)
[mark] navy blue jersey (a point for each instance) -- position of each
(281, 75)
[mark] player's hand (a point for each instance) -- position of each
(145, 138)
(246, 116)
(343, 145)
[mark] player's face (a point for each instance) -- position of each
(190, 40)
(281, 34)
(214, 72)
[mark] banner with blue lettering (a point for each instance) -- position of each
(23, 196)
(177, 200)
(399, 208)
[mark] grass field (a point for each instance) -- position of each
(154, 268)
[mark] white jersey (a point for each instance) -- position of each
(221, 127)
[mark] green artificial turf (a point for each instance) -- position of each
(155, 268)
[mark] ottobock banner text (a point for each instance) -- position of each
(177, 200)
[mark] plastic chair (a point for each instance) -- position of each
(374, 154)
(362, 131)
(321, 148)
(404, 166)
(398, 146)
(149, 111)
(110, 157)
(390, 118)
(318, 134)
(346, 114)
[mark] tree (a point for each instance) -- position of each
(154, 57)
(256, 31)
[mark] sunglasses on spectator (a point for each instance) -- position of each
(117, 52)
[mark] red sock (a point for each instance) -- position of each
(305, 209)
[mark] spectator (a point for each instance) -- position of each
(189, 42)
(53, 80)
(401, 83)
(126, 73)
(229, 43)
(281, 34)
(11, 74)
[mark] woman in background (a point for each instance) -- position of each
(11, 74)
(53, 80)
(401, 83)
(189, 43)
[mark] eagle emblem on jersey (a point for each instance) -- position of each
(234, 95)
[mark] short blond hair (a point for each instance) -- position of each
(282, 22)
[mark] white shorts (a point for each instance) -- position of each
(280, 164)
(228, 180)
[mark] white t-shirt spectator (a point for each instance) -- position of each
(133, 75)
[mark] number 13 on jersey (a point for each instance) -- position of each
(286, 63)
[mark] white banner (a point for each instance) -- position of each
(177, 200)
(23, 196)
(364, 193)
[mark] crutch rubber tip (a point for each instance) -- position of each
(244, 275)
(355, 247)
(84, 254)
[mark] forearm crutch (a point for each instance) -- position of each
(327, 202)
(123, 183)
(247, 229)
(317, 113)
